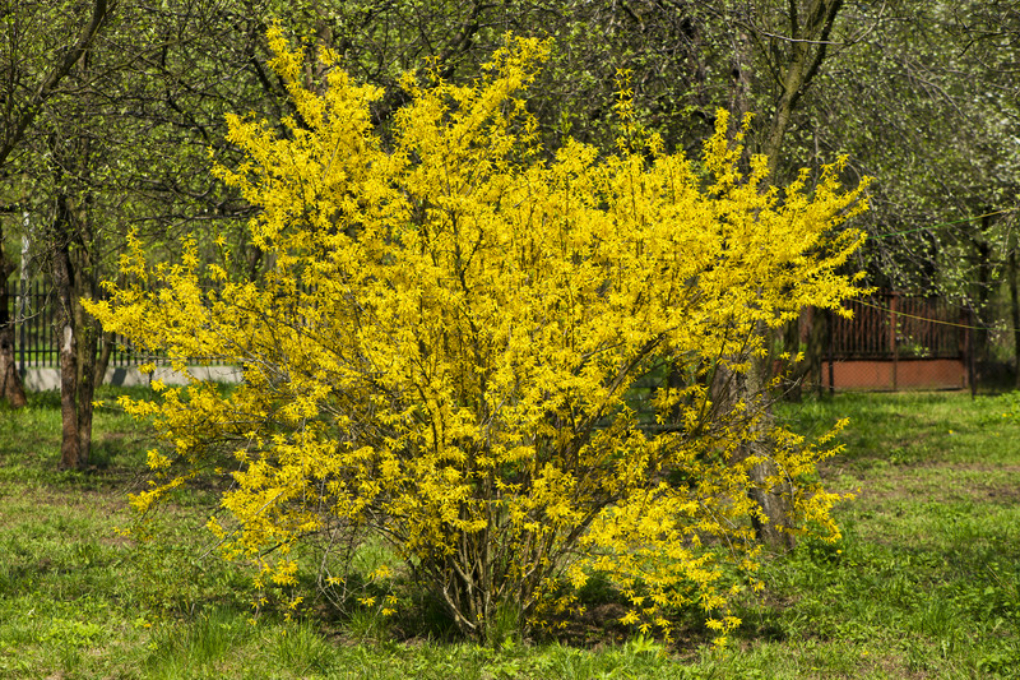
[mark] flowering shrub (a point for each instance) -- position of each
(443, 350)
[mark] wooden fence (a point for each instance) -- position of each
(888, 326)
(898, 342)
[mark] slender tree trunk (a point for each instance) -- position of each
(793, 371)
(773, 499)
(87, 347)
(71, 455)
(740, 72)
(1014, 299)
(106, 342)
(980, 346)
(76, 344)
(75, 275)
(11, 389)
(806, 334)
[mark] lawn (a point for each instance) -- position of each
(924, 584)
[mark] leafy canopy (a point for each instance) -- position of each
(444, 351)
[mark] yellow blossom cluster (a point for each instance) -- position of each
(445, 343)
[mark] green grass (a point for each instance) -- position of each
(924, 584)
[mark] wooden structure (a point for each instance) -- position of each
(896, 342)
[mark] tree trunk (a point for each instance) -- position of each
(75, 275)
(1014, 299)
(773, 500)
(106, 342)
(11, 389)
(740, 72)
(87, 346)
(78, 337)
(774, 524)
(984, 283)
(72, 457)
(807, 335)
(807, 47)
(808, 44)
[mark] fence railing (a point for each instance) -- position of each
(890, 325)
(896, 342)
(33, 313)
(884, 328)
(33, 310)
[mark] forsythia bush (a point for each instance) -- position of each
(443, 350)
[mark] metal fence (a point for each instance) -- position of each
(33, 309)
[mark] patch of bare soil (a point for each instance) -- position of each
(999, 484)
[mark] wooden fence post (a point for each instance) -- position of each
(831, 323)
(893, 345)
(968, 350)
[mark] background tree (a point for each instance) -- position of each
(11, 389)
(150, 86)
(926, 104)
(43, 45)
(822, 77)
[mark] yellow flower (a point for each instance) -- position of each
(445, 344)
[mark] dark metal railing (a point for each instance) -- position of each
(33, 310)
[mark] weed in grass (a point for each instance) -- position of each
(70, 660)
(65, 633)
(1002, 596)
(505, 627)
(572, 663)
(301, 648)
(367, 624)
(201, 646)
(641, 644)
(934, 617)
